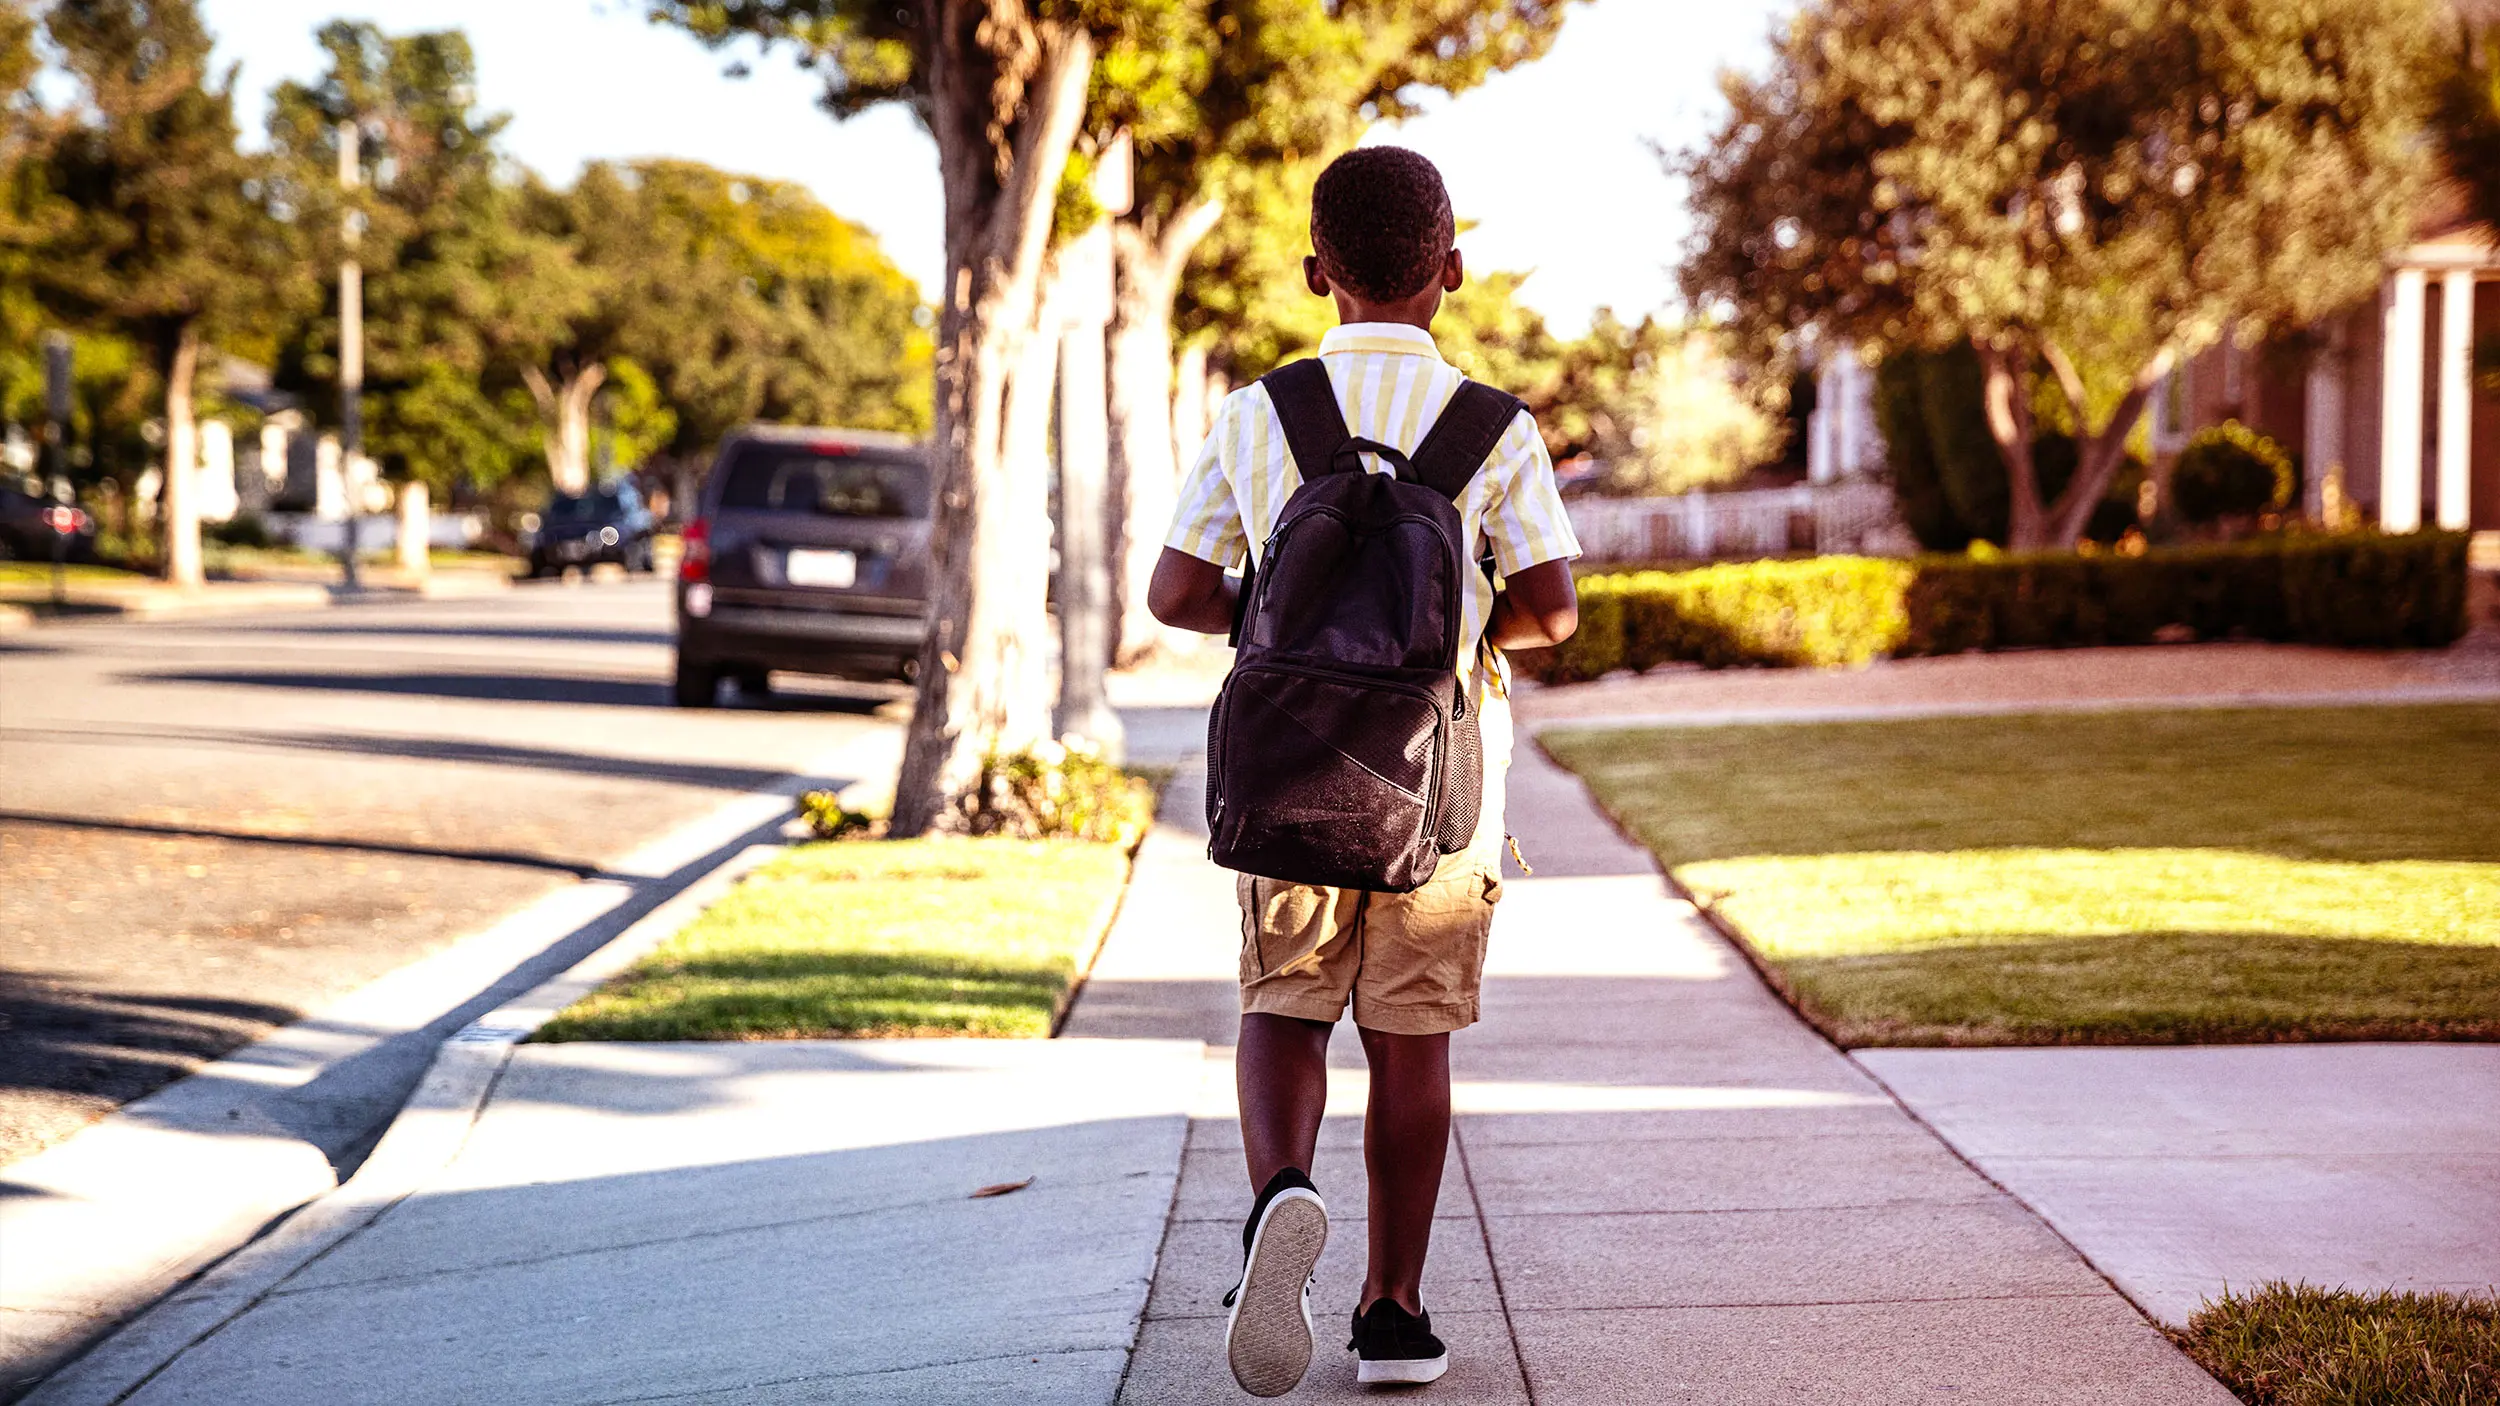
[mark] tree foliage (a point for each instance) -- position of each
(2466, 115)
(168, 234)
(168, 224)
(2131, 179)
(445, 255)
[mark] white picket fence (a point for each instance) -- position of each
(1847, 516)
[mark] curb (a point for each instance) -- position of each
(427, 1134)
(130, 1210)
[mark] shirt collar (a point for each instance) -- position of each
(1393, 337)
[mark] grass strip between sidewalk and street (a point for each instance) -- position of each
(2126, 877)
(2294, 1345)
(873, 939)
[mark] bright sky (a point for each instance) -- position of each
(1552, 161)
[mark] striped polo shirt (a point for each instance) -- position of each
(1391, 383)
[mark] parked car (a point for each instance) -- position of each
(607, 524)
(809, 553)
(30, 524)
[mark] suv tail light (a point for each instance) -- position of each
(695, 563)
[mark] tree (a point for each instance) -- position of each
(25, 211)
(1688, 420)
(170, 238)
(753, 301)
(2113, 183)
(1001, 85)
(442, 248)
(2466, 115)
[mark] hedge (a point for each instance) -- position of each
(2360, 590)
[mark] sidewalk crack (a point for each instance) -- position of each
(693, 1393)
(1484, 1234)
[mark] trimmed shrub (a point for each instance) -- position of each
(1596, 648)
(1824, 611)
(2230, 470)
(2353, 591)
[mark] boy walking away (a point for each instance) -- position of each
(1399, 528)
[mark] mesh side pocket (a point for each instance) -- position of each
(1462, 785)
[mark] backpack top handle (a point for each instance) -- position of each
(1460, 440)
(1315, 429)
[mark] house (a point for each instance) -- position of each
(2380, 399)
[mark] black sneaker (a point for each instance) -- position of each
(1394, 1345)
(1268, 1336)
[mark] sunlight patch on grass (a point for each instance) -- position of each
(2103, 878)
(872, 938)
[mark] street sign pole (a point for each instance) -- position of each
(56, 406)
(351, 351)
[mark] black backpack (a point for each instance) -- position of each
(1343, 749)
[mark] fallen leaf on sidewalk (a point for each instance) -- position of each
(1000, 1188)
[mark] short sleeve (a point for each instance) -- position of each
(1207, 522)
(1524, 518)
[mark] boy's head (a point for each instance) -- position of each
(1382, 229)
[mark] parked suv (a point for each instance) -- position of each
(607, 524)
(809, 553)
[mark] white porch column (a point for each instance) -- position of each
(2456, 396)
(2324, 430)
(1823, 423)
(2401, 307)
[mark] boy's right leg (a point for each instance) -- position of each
(1280, 1071)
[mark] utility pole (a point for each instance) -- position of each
(63, 515)
(351, 345)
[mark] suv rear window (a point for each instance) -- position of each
(801, 478)
(596, 506)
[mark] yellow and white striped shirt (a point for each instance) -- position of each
(1391, 383)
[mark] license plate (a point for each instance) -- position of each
(837, 569)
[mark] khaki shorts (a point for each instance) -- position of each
(1409, 963)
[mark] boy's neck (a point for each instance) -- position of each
(1417, 311)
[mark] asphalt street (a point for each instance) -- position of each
(210, 828)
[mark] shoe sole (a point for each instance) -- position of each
(1407, 1370)
(1268, 1338)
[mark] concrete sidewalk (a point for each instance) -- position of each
(1662, 1186)
(2183, 1172)
(749, 1222)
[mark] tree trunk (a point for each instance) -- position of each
(1145, 458)
(1081, 301)
(564, 422)
(2007, 396)
(1191, 414)
(2100, 452)
(178, 503)
(1005, 95)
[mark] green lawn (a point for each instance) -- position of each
(2291, 1345)
(872, 938)
(2138, 877)
(39, 573)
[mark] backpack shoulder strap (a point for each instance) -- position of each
(1307, 405)
(1463, 437)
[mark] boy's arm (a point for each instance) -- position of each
(1538, 606)
(1188, 593)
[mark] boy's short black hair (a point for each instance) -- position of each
(1381, 223)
